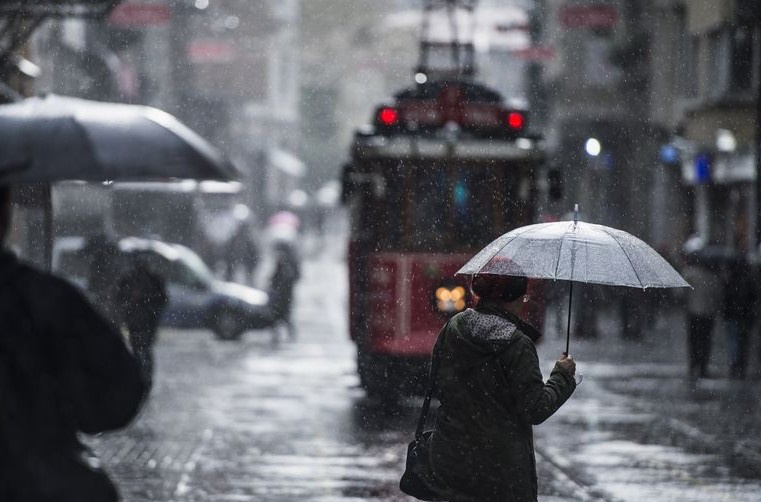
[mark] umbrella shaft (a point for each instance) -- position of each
(568, 328)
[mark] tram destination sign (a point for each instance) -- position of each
(373, 146)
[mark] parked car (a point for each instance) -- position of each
(197, 299)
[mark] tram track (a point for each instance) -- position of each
(582, 489)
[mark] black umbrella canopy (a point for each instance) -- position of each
(55, 138)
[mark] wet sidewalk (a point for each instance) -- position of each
(642, 430)
(276, 422)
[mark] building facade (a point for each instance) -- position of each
(717, 112)
(669, 91)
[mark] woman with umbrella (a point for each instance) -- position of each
(492, 393)
(489, 382)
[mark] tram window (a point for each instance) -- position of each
(473, 201)
(377, 208)
(394, 215)
(517, 193)
(428, 208)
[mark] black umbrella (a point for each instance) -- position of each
(54, 138)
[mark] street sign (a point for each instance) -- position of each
(136, 15)
(534, 53)
(211, 51)
(702, 168)
(589, 16)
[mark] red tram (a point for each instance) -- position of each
(442, 171)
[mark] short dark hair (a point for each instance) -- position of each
(503, 288)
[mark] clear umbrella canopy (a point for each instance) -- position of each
(576, 251)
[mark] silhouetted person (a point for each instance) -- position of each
(283, 280)
(584, 314)
(703, 304)
(740, 303)
(64, 370)
(104, 263)
(633, 305)
(142, 297)
(241, 251)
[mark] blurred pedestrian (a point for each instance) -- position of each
(703, 303)
(584, 317)
(740, 303)
(633, 305)
(105, 263)
(282, 283)
(241, 252)
(491, 392)
(64, 370)
(142, 297)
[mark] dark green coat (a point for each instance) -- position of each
(491, 393)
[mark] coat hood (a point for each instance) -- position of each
(480, 333)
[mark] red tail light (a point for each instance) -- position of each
(388, 116)
(516, 120)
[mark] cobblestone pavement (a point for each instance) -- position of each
(266, 420)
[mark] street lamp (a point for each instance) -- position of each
(593, 147)
(725, 141)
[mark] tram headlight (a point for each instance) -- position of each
(450, 300)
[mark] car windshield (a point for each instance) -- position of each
(194, 266)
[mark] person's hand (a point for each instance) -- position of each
(567, 363)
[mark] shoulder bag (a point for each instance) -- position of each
(417, 479)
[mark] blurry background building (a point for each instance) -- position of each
(227, 69)
(650, 106)
(652, 109)
(593, 90)
(717, 143)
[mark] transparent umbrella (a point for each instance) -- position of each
(575, 251)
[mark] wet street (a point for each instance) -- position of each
(269, 419)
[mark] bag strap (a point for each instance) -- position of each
(437, 348)
(431, 382)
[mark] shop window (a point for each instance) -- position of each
(742, 61)
(687, 62)
(732, 60)
(717, 69)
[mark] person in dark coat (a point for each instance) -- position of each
(104, 263)
(241, 252)
(704, 302)
(64, 370)
(492, 394)
(740, 303)
(283, 280)
(141, 296)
